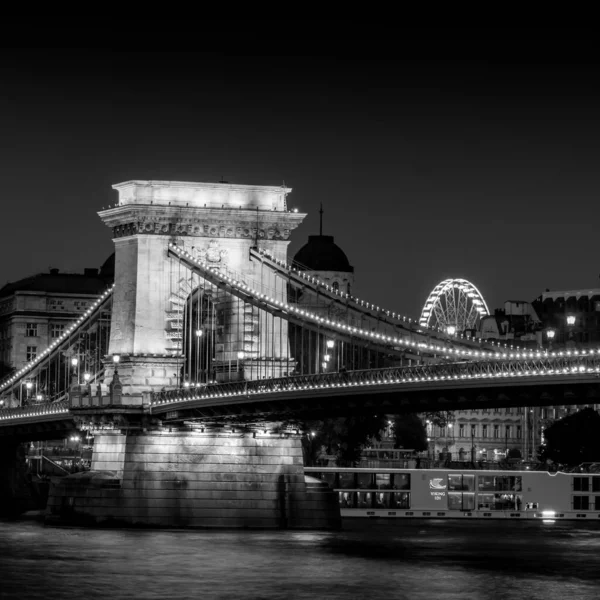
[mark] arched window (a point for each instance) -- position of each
(335, 286)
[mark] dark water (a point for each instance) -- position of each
(433, 560)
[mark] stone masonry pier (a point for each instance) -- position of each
(195, 479)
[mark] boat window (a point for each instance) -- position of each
(499, 501)
(347, 480)
(581, 484)
(400, 500)
(382, 481)
(401, 481)
(461, 482)
(461, 501)
(364, 499)
(595, 484)
(365, 481)
(581, 502)
(347, 499)
(502, 483)
(382, 500)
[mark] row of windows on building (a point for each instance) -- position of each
(56, 330)
(494, 431)
(545, 413)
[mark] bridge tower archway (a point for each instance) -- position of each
(218, 222)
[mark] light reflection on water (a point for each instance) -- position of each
(432, 560)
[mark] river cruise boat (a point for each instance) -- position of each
(477, 494)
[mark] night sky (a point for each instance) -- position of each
(475, 160)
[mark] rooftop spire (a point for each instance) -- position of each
(321, 220)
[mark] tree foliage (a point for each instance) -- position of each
(343, 437)
(574, 439)
(409, 432)
(439, 418)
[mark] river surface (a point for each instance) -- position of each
(432, 560)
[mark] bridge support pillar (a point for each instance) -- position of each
(216, 478)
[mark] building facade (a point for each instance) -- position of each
(37, 310)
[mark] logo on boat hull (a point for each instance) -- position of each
(436, 484)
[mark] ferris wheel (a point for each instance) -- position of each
(454, 305)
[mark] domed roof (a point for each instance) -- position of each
(322, 254)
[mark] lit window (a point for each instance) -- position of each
(31, 352)
(57, 330)
(31, 330)
(461, 431)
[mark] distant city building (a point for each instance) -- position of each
(517, 321)
(569, 317)
(37, 310)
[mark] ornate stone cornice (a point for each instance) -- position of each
(127, 220)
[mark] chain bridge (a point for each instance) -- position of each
(208, 331)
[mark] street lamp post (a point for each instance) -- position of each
(570, 324)
(240, 356)
(550, 333)
(74, 377)
(330, 344)
(28, 387)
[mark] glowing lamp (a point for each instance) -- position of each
(86, 377)
(330, 343)
(199, 332)
(240, 355)
(74, 361)
(116, 358)
(451, 329)
(29, 385)
(570, 320)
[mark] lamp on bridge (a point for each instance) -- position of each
(240, 356)
(570, 323)
(550, 333)
(451, 329)
(116, 359)
(74, 378)
(28, 387)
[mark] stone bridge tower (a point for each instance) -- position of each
(219, 222)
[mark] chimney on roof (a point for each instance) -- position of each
(53, 271)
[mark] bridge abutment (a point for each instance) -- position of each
(198, 478)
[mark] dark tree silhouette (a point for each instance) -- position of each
(343, 437)
(409, 432)
(574, 439)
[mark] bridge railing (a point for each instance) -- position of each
(543, 366)
(34, 412)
